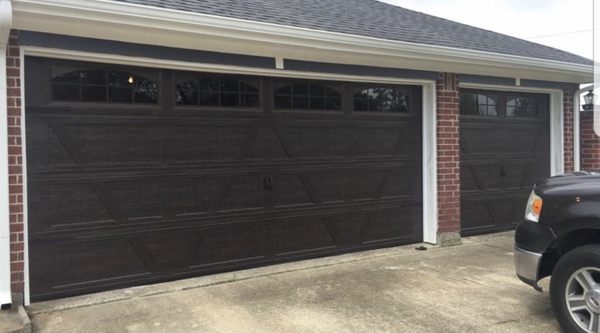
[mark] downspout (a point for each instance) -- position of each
(5, 26)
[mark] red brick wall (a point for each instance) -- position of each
(590, 143)
(568, 128)
(15, 165)
(448, 141)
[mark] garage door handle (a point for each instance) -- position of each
(267, 183)
(503, 171)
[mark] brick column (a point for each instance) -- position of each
(590, 143)
(568, 128)
(448, 163)
(15, 168)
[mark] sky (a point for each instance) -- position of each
(563, 24)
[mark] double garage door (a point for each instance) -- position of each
(142, 175)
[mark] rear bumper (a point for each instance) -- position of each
(527, 265)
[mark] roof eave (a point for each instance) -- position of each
(151, 25)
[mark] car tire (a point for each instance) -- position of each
(574, 276)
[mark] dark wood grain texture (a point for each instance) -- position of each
(121, 195)
(502, 157)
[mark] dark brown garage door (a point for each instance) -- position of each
(143, 175)
(505, 149)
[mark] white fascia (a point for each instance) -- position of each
(5, 26)
(159, 26)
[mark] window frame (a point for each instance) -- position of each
(536, 106)
(488, 95)
(503, 97)
(59, 68)
(408, 90)
(278, 83)
(180, 77)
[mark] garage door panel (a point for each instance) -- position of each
(499, 213)
(290, 190)
(44, 148)
(60, 266)
(315, 142)
(350, 227)
(399, 182)
(226, 244)
(480, 215)
(522, 140)
(341, 185)
(266, 144)
(242, 193)
(309, 234)
(64, 205)
(392, 224)
(500, 139)
(111, 143)
(367, 142)
(397, 140)
(133, 199)
(482, 175)
(168, 250)
(191, 195)
(197, 142)
(366, 184)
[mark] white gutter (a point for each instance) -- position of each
(5, 26)
(126, 19)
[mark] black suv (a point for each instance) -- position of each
(561, 237)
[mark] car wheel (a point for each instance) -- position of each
(575, 290)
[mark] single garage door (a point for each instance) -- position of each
(143, 175)
(504, 151)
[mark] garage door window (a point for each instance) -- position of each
(303, 95)
(219, 92)
(478, 105)
(104, 86)
(521, 107)
(380, 99)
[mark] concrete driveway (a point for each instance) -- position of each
(467, 288)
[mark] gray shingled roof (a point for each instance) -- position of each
(369, 18)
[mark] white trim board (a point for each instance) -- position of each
(26, 296)
(576, 134)
(557, 152)
(429, 151)
(215, 68)
(430, 186)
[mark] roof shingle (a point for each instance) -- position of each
(369, 18)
